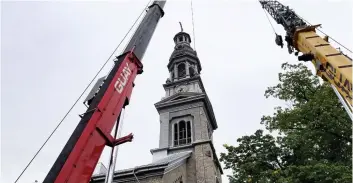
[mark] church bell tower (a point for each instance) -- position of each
(187, 120)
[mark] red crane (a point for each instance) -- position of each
(82, 151)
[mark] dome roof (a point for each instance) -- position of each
(180, 34)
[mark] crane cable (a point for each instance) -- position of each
(89, 84)
(268, 18)
(193, 24)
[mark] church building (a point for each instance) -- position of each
(186, 153)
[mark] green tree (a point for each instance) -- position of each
(314, 142)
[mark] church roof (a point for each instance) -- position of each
(165, 164)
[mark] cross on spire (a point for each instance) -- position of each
(181, 27)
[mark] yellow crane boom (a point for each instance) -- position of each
(331, 64)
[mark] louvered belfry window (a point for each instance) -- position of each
(182, 133)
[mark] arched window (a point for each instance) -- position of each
(191, 71)
(181, 70)
(182, 133)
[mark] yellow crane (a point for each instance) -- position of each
(331, 64)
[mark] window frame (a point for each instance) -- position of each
(176, 133)
(179, 70)
(192, 72)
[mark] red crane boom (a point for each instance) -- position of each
(81, 153)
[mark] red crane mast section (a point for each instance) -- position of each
(83, 159)
(81, 153)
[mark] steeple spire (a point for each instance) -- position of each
(181, 27)
(183, 62)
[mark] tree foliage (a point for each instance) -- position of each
(314, 141)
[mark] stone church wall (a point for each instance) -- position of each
(206, 170)
(176, 175)
(191, 169)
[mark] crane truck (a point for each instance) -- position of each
(330, 63)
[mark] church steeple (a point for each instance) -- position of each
(187, 120)
(183, 62)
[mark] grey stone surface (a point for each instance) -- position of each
(164, 128)
(206, 169)
(176, 175)
(191, 168)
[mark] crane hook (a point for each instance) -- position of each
(279, 40)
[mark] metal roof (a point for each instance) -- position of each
(168, 163)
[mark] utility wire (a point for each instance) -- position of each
(326, 34)
(80, 95)
(193, 24)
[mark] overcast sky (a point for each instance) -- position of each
(51, 50)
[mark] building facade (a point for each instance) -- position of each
(186, 153)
